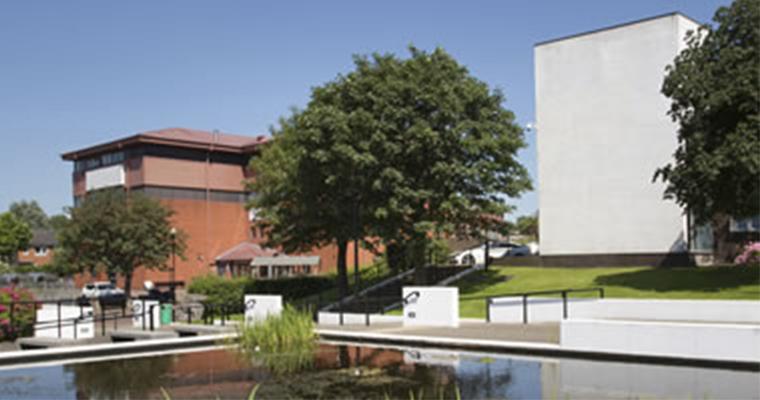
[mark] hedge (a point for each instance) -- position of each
(230, 291)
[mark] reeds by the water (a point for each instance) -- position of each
(284, 343)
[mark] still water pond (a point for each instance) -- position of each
(364, 372)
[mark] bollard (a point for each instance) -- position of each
(366, 312)
(189, 315)
(143, 314)
(488, 309)
(525, 309)
(103, 320)
(75, 328)
(564, 305)
(58, 304)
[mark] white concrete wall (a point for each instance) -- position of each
(46, 325)
(602, 131)
(509, 310)
(333, 318)
(105, 177)
(259, 306)
(688, 340)
(435, 306)
(540, 309)
(573, 378)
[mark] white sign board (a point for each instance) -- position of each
(104, 177)
(431, 306)
(76, 322)
(259, 306)
(137, 313)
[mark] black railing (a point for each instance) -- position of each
(562, 292)
(365, 305)
(100, 319)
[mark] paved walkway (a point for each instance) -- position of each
(546, 333)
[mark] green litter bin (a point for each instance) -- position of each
(166, 314)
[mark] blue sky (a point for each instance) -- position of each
(77, 73)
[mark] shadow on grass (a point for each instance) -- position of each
(481, 280)
(684, 279)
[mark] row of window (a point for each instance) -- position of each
(103, 160)
(118, 157)
(39, 251)
(187, 194)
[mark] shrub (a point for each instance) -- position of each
(23, 315)
(290, 288)
(750, 254)
(219, 290)
(230, 292)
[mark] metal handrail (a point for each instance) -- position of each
(563, 292)
(59, 322)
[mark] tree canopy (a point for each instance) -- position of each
(715, 93)
(527, 225)
(396, 149)
(14, 236)
(115, 232)
(31, 213)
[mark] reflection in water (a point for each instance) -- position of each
(362, 372)
(118, 379)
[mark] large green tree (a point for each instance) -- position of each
(14, 236)
(31, 213)
(715, 93)
(397, 149)
(115, 232)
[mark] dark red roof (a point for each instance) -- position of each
(245, 251)
(178, 137)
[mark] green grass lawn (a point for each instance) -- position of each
(737, 283)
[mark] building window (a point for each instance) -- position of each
(25, 252)
(743, 225)
(112, 158)
(104, 160)
(702, 238)
(40, 251)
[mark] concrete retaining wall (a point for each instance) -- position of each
(331, 318)
(687, 340)
(541, 309)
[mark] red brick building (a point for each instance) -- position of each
(201, 176)
(40, 249)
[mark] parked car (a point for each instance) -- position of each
(477, 255)
(104, 292)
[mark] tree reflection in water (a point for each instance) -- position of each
(347, 372)
(120, 379)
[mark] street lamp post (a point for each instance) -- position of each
(173, 234)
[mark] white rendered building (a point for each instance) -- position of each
(602, 131)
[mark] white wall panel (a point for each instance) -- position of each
(602, 131)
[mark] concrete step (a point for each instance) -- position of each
(29, 343)
(197, 330)
(131, 335)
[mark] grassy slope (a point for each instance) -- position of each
(678, 283)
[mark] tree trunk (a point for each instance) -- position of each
(391, 250)
(128, 284)
(342, 269)
(723, 249)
